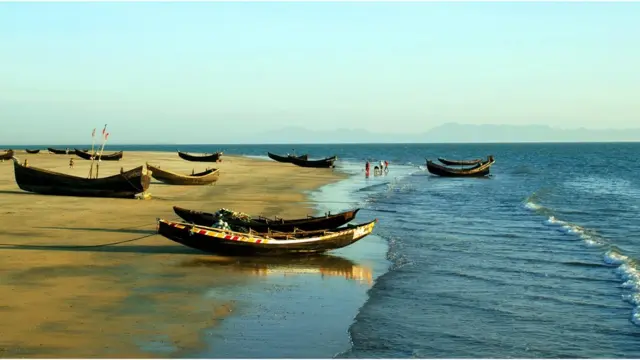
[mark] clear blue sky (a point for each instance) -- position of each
(208, 72)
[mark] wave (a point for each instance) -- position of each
(627, 268)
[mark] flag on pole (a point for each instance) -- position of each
(104, 130)
(106, 136)
(94, 132)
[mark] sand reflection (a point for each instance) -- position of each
(324, 265)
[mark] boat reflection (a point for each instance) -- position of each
(325, 265)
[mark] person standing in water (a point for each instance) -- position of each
(366, 169)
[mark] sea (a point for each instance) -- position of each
(539, 260)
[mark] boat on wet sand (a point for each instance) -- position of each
(287, 158)
(127, 184)
(328, 221)
(219, 241)
(206, 177)
(200, 158)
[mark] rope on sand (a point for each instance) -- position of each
(44, 247)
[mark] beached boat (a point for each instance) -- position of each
(8, 154)
(286, 159)
(61, 152)
(206, 177)
(478, 170)
(124, 185)
(262, 224)
(460, 162)
(228, 242)
(32, 151)
(201, 158)
(116, 156)
(322, 163)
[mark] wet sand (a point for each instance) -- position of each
(67, 294)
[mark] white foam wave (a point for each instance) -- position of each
(532, 206)
(587, 236)
(630, 275)
(626, 267)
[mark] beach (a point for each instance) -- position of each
(68, 293)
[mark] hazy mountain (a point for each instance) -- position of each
(453, 132)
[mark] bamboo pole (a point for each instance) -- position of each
(104, 142)
(93, 141)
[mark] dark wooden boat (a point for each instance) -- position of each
(206, 177)
(478, 170)
(460, 162)
(124, 185)
(201, 158)
(116, 156)
(64, 152)
(32, 151)
(322, 163)
(263, 224)
(220, 241)
(8, 154)
(286, 159)
(60, 152)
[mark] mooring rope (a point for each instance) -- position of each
(83, 246)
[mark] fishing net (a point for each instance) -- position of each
(226, 214)
(229, 214)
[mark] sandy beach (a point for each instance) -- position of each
(67, 294)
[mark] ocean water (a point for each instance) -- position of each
(542, 259)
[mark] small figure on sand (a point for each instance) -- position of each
(71, 163)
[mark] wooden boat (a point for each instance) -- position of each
(263, 224)
(286, 159)
(116, 156)
(124, 185)
(322, 163)
(460, 162)
(220, 241)
(60, 152)
(206, 177)
(8, 154)
(32, 151)
(201, 158)
(478, 170)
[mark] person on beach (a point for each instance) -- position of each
(366, 169)
(71, 163)
(386, 166)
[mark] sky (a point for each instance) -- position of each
(219, 72)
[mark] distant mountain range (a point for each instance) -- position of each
(453, 133)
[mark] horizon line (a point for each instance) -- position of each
(8, 146)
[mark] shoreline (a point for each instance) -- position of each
(296, 301)
(66, 299)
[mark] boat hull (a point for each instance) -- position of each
(206, 177)
(218, 241)
(108, 157)
(125, 185)
(479, 170)
(286, 159)
(263, 225)
(204, 158)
